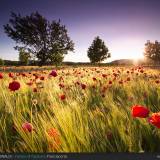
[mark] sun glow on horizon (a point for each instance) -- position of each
(127, 49)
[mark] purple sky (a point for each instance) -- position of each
(124, 25)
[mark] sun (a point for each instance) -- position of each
(127, 48)
(137, 57)
(134, 52)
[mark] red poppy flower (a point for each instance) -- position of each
(155, 119)
(53, 73)
(121, 82)
(60, 78)
(61, 85)
(13, 86)
(139, 67)
(103, 95)
(157, 81)
(115, 75)
(1, 76)
(10, 75)
(104, 89)
(42, 78)
(36, 76)
(35, 90)
(62, 97)
(140, 111)
(141, 71)
(83, 86)
(93, 86)
(27, 127)
(29, 83)
(23, 74)
(110, 82)
(77, 83)
(128, 79)
(104, 75)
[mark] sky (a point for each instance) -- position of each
(124, 25)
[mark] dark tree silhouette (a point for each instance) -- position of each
(38, 36)
(98, 52)
(152, 51)
(1, 62)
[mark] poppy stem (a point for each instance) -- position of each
(32, 131)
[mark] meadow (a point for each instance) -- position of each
(83, 109)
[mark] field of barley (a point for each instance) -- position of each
(83, 109)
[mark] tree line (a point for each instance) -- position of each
(46, 41)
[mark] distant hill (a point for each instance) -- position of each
(11, 63)
(115, 62)
(123, 62)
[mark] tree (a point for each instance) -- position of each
(57, 59)
(152, 51)
(24, 57)
(41, 38)
(98, 52)
(1, 62)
